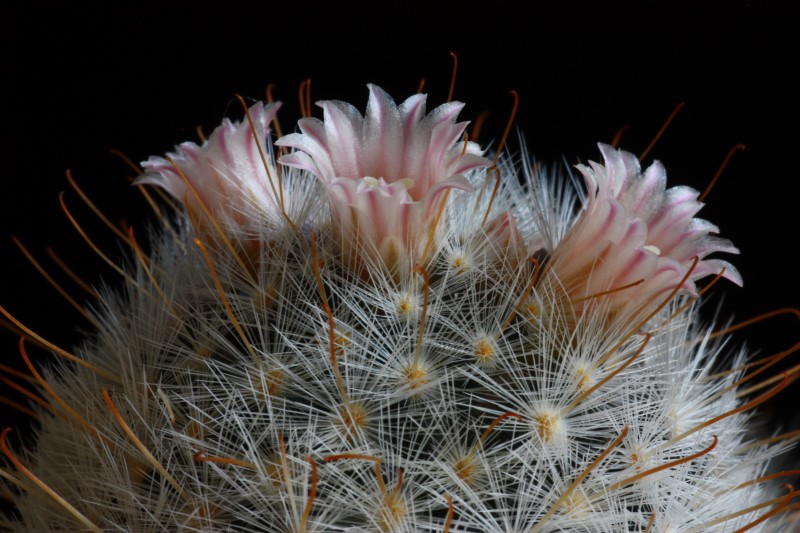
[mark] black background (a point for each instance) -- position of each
(140, 78)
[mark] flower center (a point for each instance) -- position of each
(370, 182)
(653, 248)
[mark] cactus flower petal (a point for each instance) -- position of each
(226, 176)
(386, 172)
(633, 229)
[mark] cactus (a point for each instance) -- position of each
(386, 328)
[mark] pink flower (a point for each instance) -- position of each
(386, 173)
(632, 229)
(225, 178)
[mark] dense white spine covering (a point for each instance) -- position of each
(274, 434)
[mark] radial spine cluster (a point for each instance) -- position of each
(385, 329)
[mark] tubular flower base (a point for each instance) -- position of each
(397, 358)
